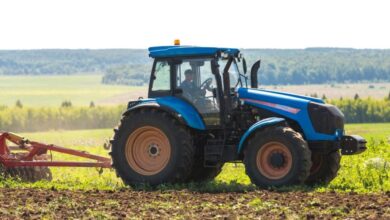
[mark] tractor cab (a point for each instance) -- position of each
(205, 77)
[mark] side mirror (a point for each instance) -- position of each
(255, 68)
(244, 65)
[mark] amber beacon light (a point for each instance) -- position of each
(176, 42)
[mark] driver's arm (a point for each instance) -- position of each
(187, 90)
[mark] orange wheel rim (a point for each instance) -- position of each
(148, 150)
(274, 160)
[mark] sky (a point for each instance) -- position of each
(96, 24)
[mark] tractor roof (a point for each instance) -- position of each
(185, 51)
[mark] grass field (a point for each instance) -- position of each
(361, 190)
(53, 90)
(82, 89)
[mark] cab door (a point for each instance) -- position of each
(203, 96)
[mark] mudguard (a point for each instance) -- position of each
(258, 125)
(175, 106)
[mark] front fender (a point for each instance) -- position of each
(174, 106)
(259, 125)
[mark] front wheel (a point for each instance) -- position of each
(277, 156)
(324, 168)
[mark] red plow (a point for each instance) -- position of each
(30, 160)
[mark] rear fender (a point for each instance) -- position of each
(177, 108)
(268, 122)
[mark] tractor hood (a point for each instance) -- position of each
(318, 121)
(287, 102)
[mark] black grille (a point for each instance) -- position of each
(325, 118)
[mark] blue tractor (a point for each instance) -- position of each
(203, 110)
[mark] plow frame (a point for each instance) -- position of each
(33, 153)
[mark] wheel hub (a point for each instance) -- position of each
(274, 160)
(277, 160)
(153, 150)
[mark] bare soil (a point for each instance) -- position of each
(126, 203)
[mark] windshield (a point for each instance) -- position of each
(236, 74)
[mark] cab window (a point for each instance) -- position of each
(161, 79)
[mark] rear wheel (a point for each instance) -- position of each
(324, 168)
(150, 147)
(277, 156)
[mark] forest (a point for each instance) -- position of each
(279, 66)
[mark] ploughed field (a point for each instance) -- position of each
(29, 203)
(361, 190)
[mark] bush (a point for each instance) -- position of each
(55, 118)
(367, 110)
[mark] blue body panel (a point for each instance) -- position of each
(260, 124)
(295, 95)
(176, 51)
(286, 105)
(182, 108)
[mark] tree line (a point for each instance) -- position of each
(321, 65)
(279, 66)
(63, 61)
(21, 119)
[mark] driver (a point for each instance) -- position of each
(188, 86)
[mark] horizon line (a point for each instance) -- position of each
(241, 48)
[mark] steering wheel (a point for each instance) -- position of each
(206, 84)
(202, 100)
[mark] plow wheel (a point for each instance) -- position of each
(28, 174)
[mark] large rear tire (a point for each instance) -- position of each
(150, 147)
(324, 168)
(277, 156)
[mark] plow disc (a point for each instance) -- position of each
(28, 174)
(29, 161)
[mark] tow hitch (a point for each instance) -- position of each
(352, 144)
